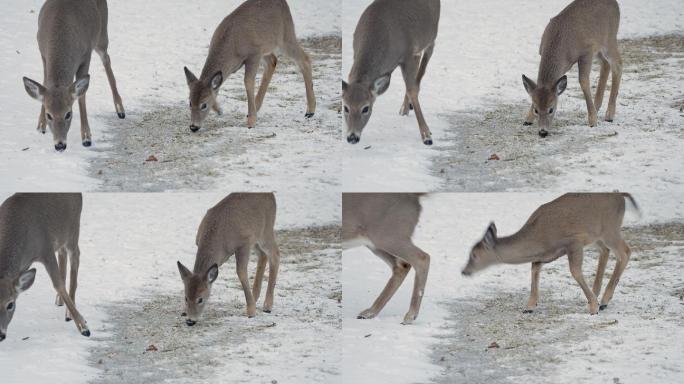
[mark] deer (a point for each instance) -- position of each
(563, 227)
(584, 29)
(68, 32)
(42, 228)
(384, 223)
(390, 34)
(236, 225)
(251, 34)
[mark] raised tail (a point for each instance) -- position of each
(633, 202)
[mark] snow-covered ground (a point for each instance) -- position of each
(150, 42)
(634, 340)
(474, 102)
(129, 285)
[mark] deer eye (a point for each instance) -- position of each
(10, 306)
(204, 106)
(67, 116)
(346, 109)
(365, 109)
(49, 116)
(200, 300)
(551, 111)
(536, 112)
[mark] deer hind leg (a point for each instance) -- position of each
(52, 269)
(615, 61)
(251, 68)
(241, 263)
(273, 267)
(259, 275)
(420, 261)
(603, 260)
(62, 262)
(270, 62)
(399, 271)
(623, 253)
(409, 69)
(534, 291)
(584, 67)
(101, 50)
(74, 262)
(575, 257)
(407, 106)
(603, 80)
(295, 51)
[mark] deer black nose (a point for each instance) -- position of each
(353, 139)
(190, 323)
(543, 133)
(194, 128)
(60, 147)
(2, 336)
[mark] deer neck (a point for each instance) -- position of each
(519, 248)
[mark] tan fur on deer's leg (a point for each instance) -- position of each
(603, 80)
(271, 61)
(85, 127)
(399, 271)
(529, 119)
(273, 267)
(53, 271)
(534, 290)
(241, 263)
(295, 51)
(74, 262)
(409, 70)
(584, 67)
(616, 69)
(425, 59)
(62, 263)
(107, 62)
(405, 106)
(251, 68)
(575, 256)
(623, 253)
(259, 275)
(603, 260)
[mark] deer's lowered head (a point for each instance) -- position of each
(197, 291)
(544, 100)
(484, 253)
(10, 288)
(202, 97)
(358, 99)
(58, 102)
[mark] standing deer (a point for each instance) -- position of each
(237, 224)
(33, 227)
(68, 32)
(584, 29)
(252, 33)
(384, 223)
(562, 227)
(390, 34)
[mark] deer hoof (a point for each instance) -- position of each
(309, 115)
(603, 306)
(67, 319)
(267, 311)
(122, 115)
(543, 133)
(87, 143)
(85, 332)
(427, 141)
(610, 121)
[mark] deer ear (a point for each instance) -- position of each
(25, 280)
(217, 80)
(560, 85)
(344, 86)
(184, 272)
(212, 273)
(189, 76)
(80, 86)
(528, 84)
(380, 85)
(489, 239)
(34, 89)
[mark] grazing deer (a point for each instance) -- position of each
(33, 227)
(562, 227)
(384, 223)
(252, 33)
(584, 29)
(237, 224)
(68, 32)
(390, 34)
